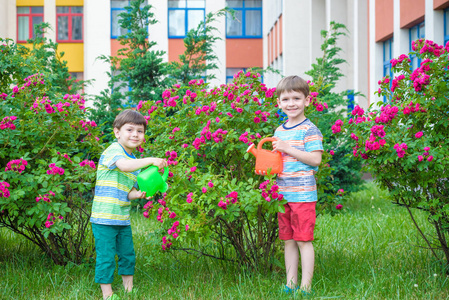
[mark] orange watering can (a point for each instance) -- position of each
(265, 159)
(150, 181)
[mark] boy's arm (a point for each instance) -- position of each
(310, 158)
(131, 165)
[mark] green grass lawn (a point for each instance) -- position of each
(368, 252)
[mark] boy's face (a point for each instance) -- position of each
(293, 105)
(130, 136)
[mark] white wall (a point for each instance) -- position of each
(97, 41)
(159, 32)
(297, 16)
(376, 56)
(8, 21)
(50, 18)
(434, 23)
(360, 45)
(213, 6)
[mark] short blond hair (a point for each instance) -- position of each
(292, 83)
(129, 116)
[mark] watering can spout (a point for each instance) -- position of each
(252, 149)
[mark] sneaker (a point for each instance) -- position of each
(113, 297)
(289, 291)
(305, 293)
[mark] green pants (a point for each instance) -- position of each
(109, 241)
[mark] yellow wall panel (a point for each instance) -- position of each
(29, 2)
(74, 55)
(29, 46)
(69, 2)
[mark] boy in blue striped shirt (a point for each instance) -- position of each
(300, 143)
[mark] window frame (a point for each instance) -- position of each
(186, 19)
(421, 35)
(386, 60)
(244, 9)
(445, 24)
(69, 15)
(30, 16)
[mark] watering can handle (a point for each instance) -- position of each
(165, 175)
(267, 139)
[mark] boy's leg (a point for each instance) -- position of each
(303, 217)
(105, 240)
(106, 289)
(291, 255)
(307, 264)
(128, 282)
(126, 257)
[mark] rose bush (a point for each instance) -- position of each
(403, 142)
(48, 173)
(214, 194)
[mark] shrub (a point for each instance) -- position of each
(47, 150)
(403, 142)
(214, 194)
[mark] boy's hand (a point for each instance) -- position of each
(159, 162)
(280, 145)
(135, 194)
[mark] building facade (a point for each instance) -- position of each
(292, 39)
(281, 34)
(86, 29)
(394, 24)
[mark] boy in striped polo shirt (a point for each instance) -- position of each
(116, 186)
(300, 143)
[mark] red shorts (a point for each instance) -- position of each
(298, 221)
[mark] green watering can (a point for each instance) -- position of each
(150, 181)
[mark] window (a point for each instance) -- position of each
(69, 23)
(184, 15)
(350, 95)
(415, 33)
(118, 7)
(387, 56)
(248, 19)
(230, 72)
(446, 26)
(27, 18)
(77, 76)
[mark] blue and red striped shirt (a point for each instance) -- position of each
(297, 181)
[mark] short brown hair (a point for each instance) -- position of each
(129, 116)
(292, 83)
